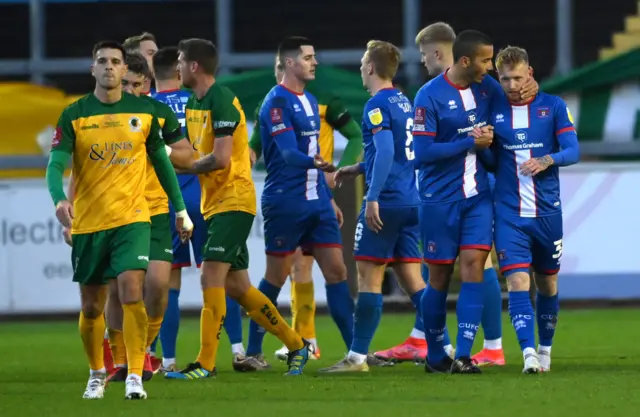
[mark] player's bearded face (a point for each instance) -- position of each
(108, 68)
(148, 49)
(133, 83)
(185, 70)
(512, 78)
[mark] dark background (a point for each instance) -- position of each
(258, 25)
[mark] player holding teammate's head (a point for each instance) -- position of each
(472, 55)
(197, 58)
(143, 44)
(298, 57)
(379, 64)
(165, 64)
(435, 43)
(108, 66)
(137, 74)
(513, 68)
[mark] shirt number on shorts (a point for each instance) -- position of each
(558, 253)
(409, 142)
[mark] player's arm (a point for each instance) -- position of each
(340, 119)
(61, 150)
(225, 120)
(177, 146)
(378, 121)
(255, 142)
(488, 158)
(566, 136)
(279, 122)
(162, 166)
(425, 128)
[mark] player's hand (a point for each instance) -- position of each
(347, 172)
(530, 88)
(338, 212)
(372, 216)
(64, 213)
(323, 165)
(66, 234)
(184, 225)
(252, 157)
(483, 136)
(535, 166)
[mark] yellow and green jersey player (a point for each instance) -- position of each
(108, 135)
(333, 116)
(217, 129)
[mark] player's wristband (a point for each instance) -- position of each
(168, 149)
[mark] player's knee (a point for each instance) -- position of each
(130, 289)
(547, 284)
(439, 276)
(278, 269)
(301, 270)
(472, 266)
(518, 281)
(335, 273)
(175, 280)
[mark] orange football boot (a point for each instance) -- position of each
(412, 349)
(490, 357)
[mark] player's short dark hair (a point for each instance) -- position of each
(137, 64)
(133, 43)
(108, 45)
(291, 46)
(439, 32)
(165, 62)
(385, 58)
(511, 56)
(202, 51)
(467, 43)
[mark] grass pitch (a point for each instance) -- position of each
(595, 371)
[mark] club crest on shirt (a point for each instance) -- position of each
(375, 116)
(543, 112)
(431, 246)
(56, 137)
(502, 255)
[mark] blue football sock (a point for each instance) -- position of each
(415, 300)
(170, 325)
(434, 316)
(492, 310)
(256, 332)
(547, 315)
(233, 321)
(521, 313)
(368, 313)
(469, 312)
(341, 308)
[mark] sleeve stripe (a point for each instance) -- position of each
(424, 133)
(565, 130)
(281, 131)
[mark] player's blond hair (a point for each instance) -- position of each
(439, 32)
(132, 44)
(511, 56)
(385, 58)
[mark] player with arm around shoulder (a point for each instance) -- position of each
(110, 217)
(388, 231)
(533, 138)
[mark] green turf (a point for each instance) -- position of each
(595, 370)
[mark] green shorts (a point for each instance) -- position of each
(161, 248)
(99, 256)
(227, 235)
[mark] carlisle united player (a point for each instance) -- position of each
(388, 231)
(456, 214)
(297, 205)
(533, 138)
(168, 90)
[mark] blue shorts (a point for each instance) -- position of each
(448, 228)
(181, 253)
(289, 225)
(398, 241)
(522, 242)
